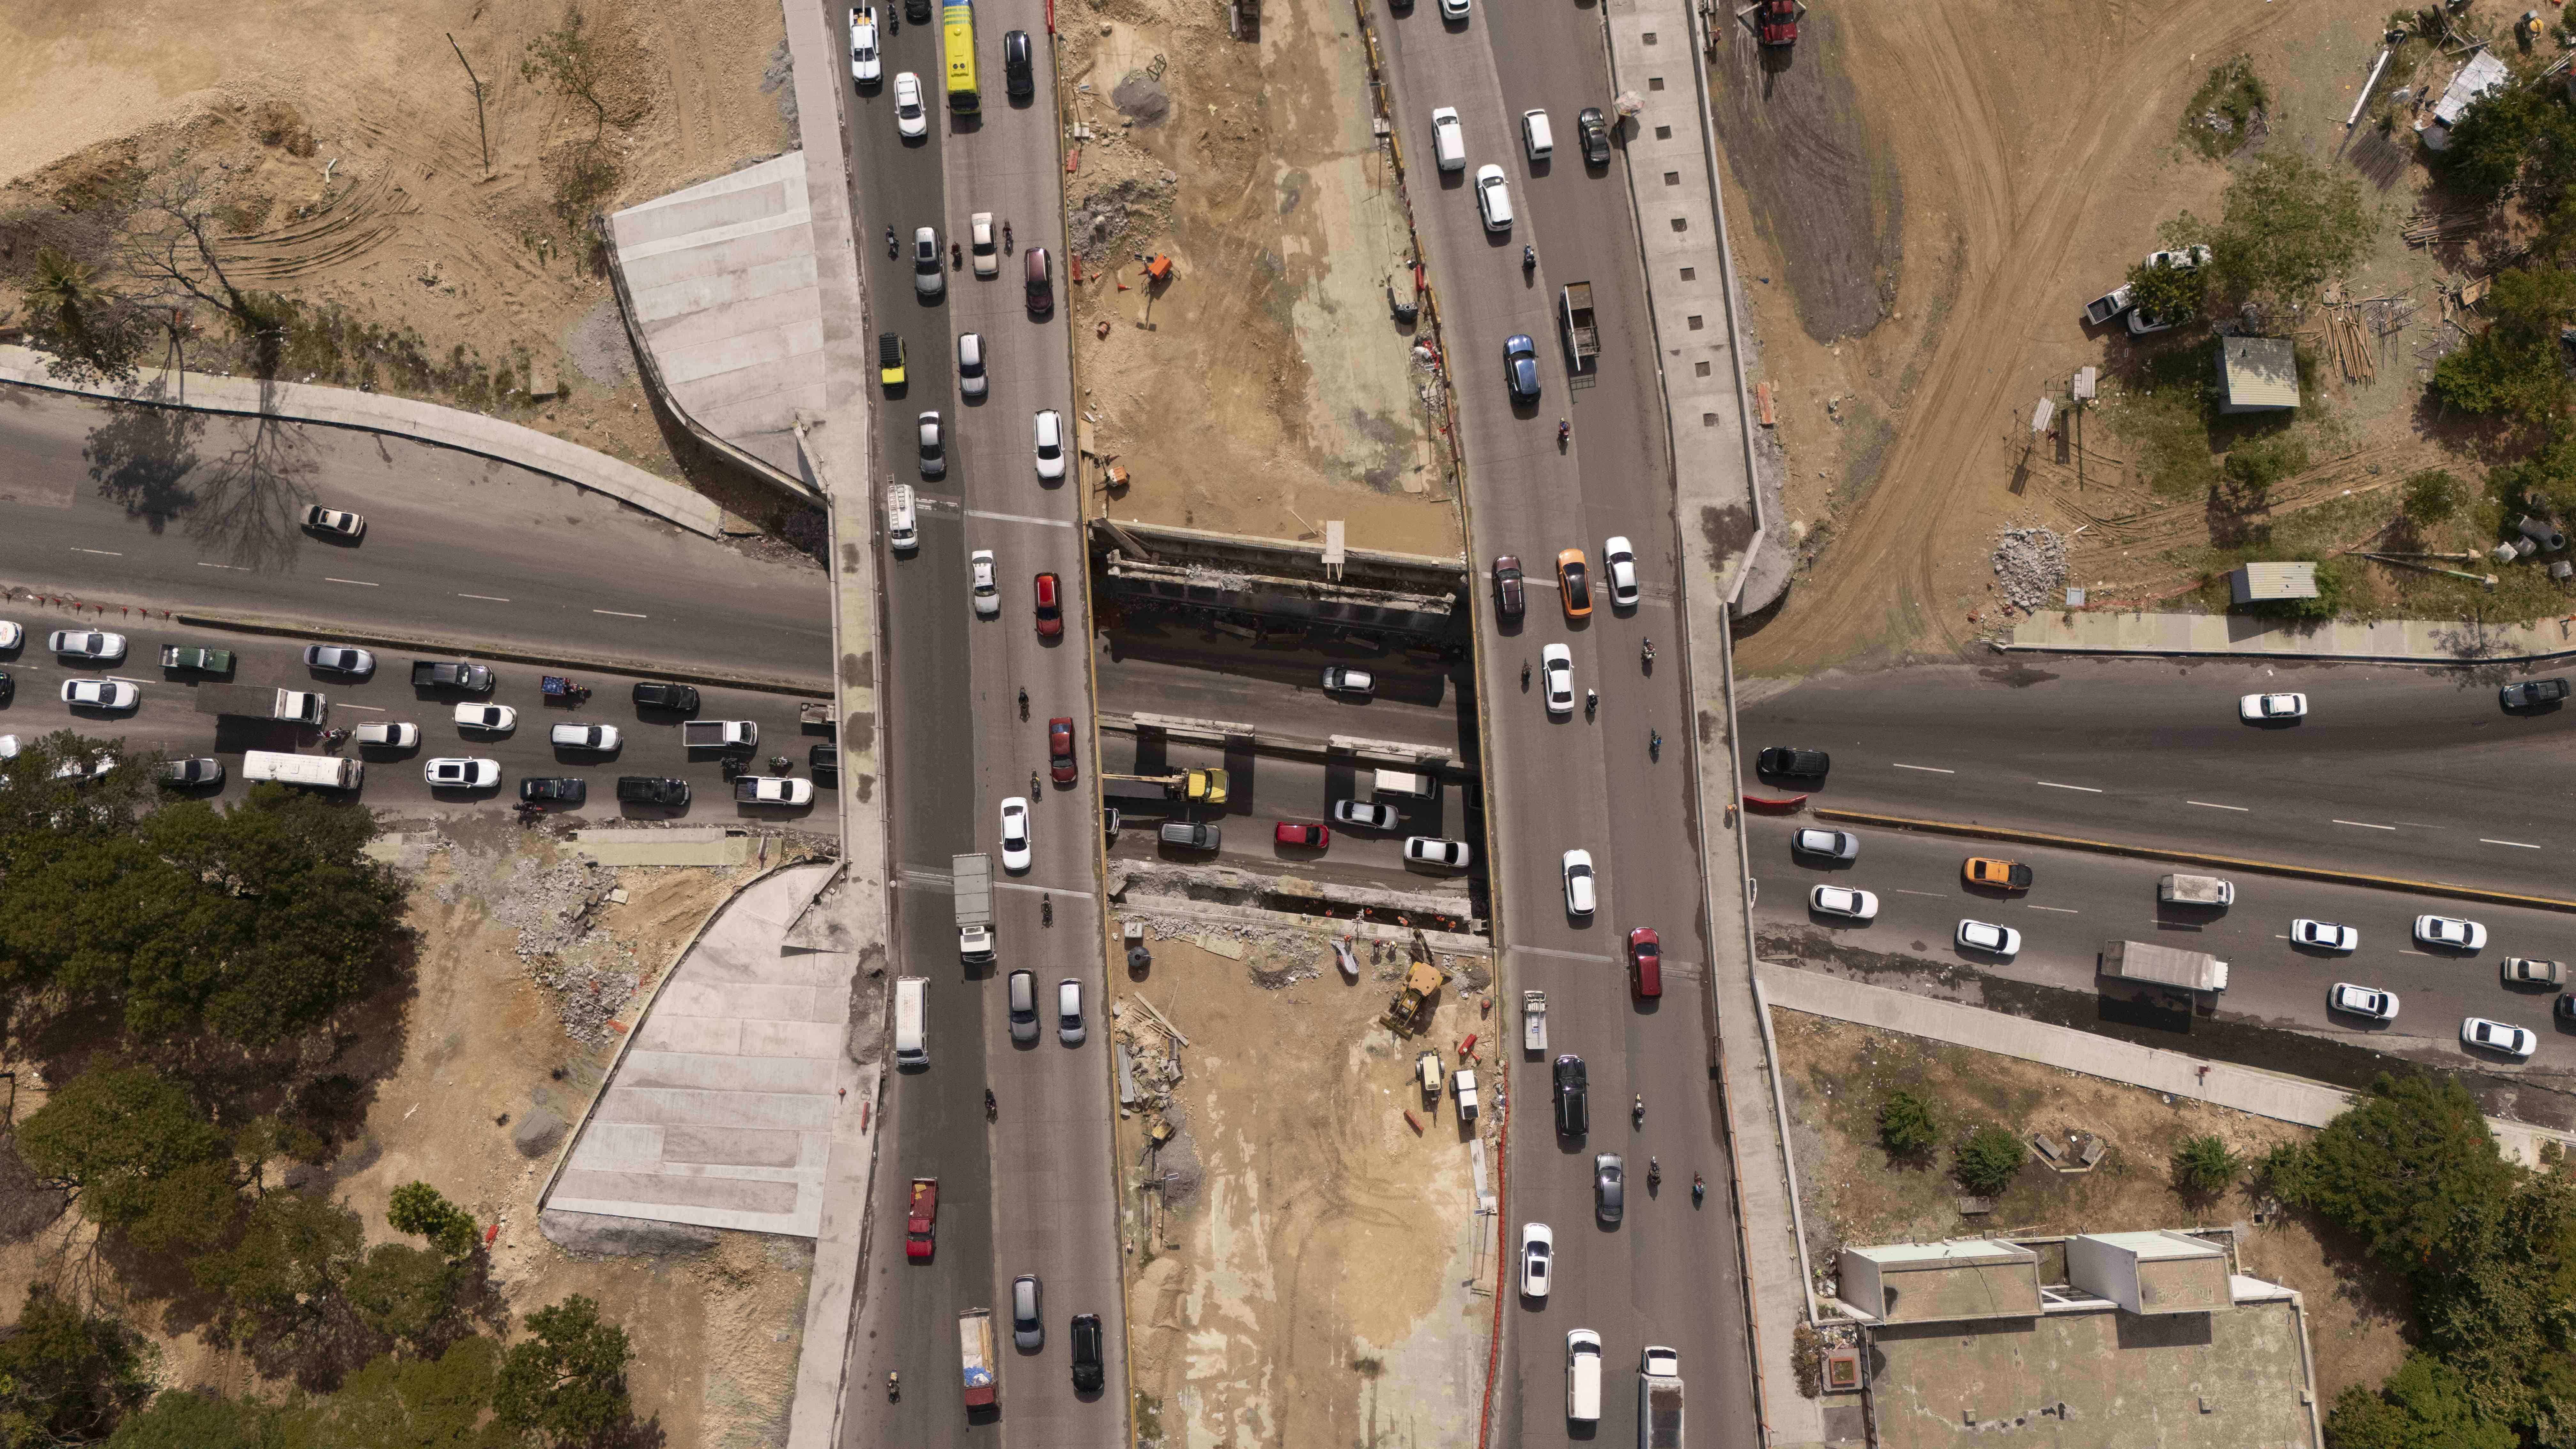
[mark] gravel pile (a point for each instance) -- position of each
(2030, 564)
(587, 974)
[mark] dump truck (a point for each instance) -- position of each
(1199, 787)
(2196, 890)
(1534, 1020)
(1659, 1399)
(2162, 966)
(258, 701)
(719, 734)
(973, 875)
(195, 660)
(975, 1354)
(1582, 334)
(431, 674)
(921, 1224)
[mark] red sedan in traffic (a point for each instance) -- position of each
(1306, 837)
(1050, 607)
(1646, 962)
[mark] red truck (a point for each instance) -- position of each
(921, 1224)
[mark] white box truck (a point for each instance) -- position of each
(1659, 1399)
(320, 772)
(973, 878)
(1404, 785)
(2162, 966)
(2196, 890)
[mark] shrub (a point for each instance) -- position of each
(1987, 1160)
(2433, 495)
(2204, 1166)
(1906, 1127)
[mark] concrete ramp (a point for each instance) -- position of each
(722, 281)
(721, 1111)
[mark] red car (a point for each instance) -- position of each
(1646, 962)
(1050, 608)
(1779, 22)
(1060, 749)
(1305, 837)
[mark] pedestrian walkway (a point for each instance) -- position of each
(2221, 1084)
(2390, 641)
(375, 412)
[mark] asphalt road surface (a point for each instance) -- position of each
(188, 511)
(1668, 1274)
(1033, 1193)
(2410, 773)
(1158, 665)
(167, 720)
(2079, 900)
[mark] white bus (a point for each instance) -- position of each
(322, 772)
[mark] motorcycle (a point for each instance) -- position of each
(1699, 1190)
(1591, 702)
(1046, 909)
(1654, 744)
(1024, 704)
(1654, 1174)
(1524, 676)
(1637, 1115)
(1564, 431)
(1646, 654)
(1529, 259)
(894, 248)
(1006, 238)
(894, 1386)
(992, 1110)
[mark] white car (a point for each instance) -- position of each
(1992, 939)
(1015, 834)
(2516, 1042)
(970, 365)
(1538, 1259)
(934, 446)
(1048, 428)
(910, 120)
(1619, 561)
(1453, 9)
(1842, 901)
(987, 587)
(1448, 139)
(386, 735)
(1493, 197)
(1431, 849)
(773, 790)
(337, 522)
(601, 738)
(1827, 844)
(865, 69)
(491, 718)
(100, 694)
(1556, 676)
(85, 769)
(462, 774)
(1366, 814)
(11, 634)
(2450, 933)
(2324, 935)
(87, 644)
(2265, 708)
(1342, 679)
(2363, 1001)
(929, 267)
(980, 246)
(1068, 1012)
(339, 659)
(1578, 883)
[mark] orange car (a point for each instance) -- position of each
(1576, 581)
(1985, 870)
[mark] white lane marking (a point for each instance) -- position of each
(101, 552)
(1563, 955)
(1926, 769)
(1019, 518)
(369, 708)
(2365, 825)
(2052, 784)
(2516, 844)
(361, 583)
(2061, 910)
(137, 683)
(2405, 951)
(1928, 895)
(236, 568)
(2214, 805)
(621, 614)
(487, 598)
(2420, 825)
(1018, 885)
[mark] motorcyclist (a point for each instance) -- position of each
(991, 1108)
(1563, 430)
(1591, 701)
(1637, 1115)
(1646, 651)
(1006, 236)
(1529, 257)
(893, 247)
(956, 257)
(1654, 1171)
(1699, 1189)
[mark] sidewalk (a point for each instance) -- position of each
(2391, 641)
(2221, 1084)
(374, 412)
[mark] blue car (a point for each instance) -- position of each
(1520, 367)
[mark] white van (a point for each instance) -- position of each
(322, 772)
(1583, 1376)
(1448, 139)
(1536, 138)
(912, 1021)
(901, 530)
(1405, 785)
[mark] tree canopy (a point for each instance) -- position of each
(137, 1154)
(565, 1383)
(66, 1377)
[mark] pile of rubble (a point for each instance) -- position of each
(587, 974)
(2030, 565)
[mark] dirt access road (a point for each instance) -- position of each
(2009, 131)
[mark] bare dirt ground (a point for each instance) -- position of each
(1264, 389)
(1852, 1193)
(525, 961)
(1929, 195)
(1306, 1283)
(342, 146)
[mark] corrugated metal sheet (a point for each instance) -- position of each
(2256, 582)
(2256, 373)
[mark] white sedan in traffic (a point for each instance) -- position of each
(1015, 834)
(909, 118)
(2450, 933)
(2367, 1001)
(1579, 893)
(1538, 1260)
(1992, 939)
(100, 694)
(1843, 901)
(1619, 561)
(985, 583)
(490, 718)
(1556, 676)
(2516, 1042)
(1430, 849)
(462, 774)
(1826, 844)
(773, 790)
(2271, 708)
(87, 644)
(2324, 935)
(1048, 429)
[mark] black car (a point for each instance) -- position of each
(1596, 136)
(651, 789)
(917, 11)
(2565, 1007)
(1511, 589)
(1019, 73)
(2532, 693)
(8, 687)
(1088, 1360)
(1573, 1111)
(554, 789)
(823, 759)
(677, 698)
(1520, 367)
(1803, 764)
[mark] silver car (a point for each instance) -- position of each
(970, 365)
(1023, 1004)
(1826, 844)
(1027, 1330)
(87, 644)
(339, 659)
(1366, 814)
(1609, 1187)
(929, 268)
(1068, 1012)
(934, 447)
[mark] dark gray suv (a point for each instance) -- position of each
(1573, 1109)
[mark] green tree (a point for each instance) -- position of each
(412, 1299)
(565, 1384)
(94, 334)
(2516, 367)
(2412, 1168)
(195, 1419)
(2252, 468)
(2485, 155)
(2424, 1405)
(2433, 495)
(420, 1210)
(138, 1156)
(1906, 1126)
(284, 1286)
(2204, 1166)
(2165, 293)
(2285, 226)
(1987, 1160)
(407, 1404)
(66, 1377)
